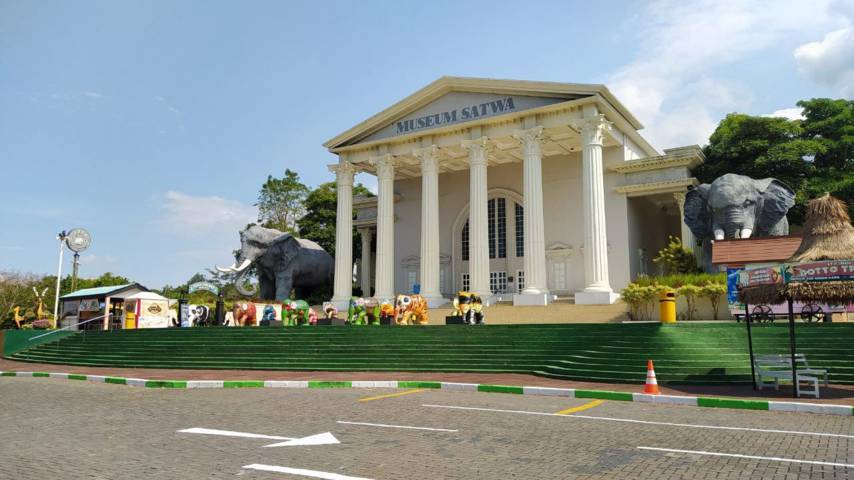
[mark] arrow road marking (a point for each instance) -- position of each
(301, 471)
(319, 439)
(228, 433)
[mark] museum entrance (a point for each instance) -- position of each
(506, 242)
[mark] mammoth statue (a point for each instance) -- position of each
(735, 206)
(282, 262)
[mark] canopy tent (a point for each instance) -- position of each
(828, 236)
(146, 310)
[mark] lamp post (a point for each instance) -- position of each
(61, 236)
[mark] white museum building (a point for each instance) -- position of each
(520, 191)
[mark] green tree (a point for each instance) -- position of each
(280, 202)
(318, 223)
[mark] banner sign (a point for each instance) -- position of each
(732, 279)
(825, 271)
(762, 276)
(207, 286)
(152, 313)
(90, 305)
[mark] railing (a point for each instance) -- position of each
(75, 326)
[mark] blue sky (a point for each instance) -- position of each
(153, 124)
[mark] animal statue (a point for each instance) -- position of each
(244, 314)
(736, 206)
(199, 315)
(475, 313)
(372, 309)
(282, 263)
(19, 319)
(357, 313)
(462, 304)
(228, 320)
(289, 312)
(410, 310)
(386, 312)
(329, 311)
(302, 311)
(312, 316)
(40, 312)
(469, 306)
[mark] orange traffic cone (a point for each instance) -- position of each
(651, 386)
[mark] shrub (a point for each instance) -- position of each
(713, 292)
(640, 300)
(690, 293)
(675, 258)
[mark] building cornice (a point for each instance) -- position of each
(688, 157)
(669, 186)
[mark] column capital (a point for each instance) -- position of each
(429, 157)
(385, 166)
(530, 139)
(366, 230)
(592, 128)
(478, 149)
(343, 171)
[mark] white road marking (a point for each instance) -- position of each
(301, 471)
(398, 426)
(645, 422)
(228, 433)
(749, 457)
(319, 439)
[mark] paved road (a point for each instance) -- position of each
(52, 429)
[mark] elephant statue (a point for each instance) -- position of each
(410, 310)
(282, 262)
(736, 206)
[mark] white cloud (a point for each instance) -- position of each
(830, 61)
(196, 216)
(670, 85)
(794, 113)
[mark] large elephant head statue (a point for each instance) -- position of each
(736, 206)
(282, 263)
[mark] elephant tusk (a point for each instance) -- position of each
(243, 266)
(227, 269)
(719, 234)
(746, 232)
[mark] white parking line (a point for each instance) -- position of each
(228, 433)
(301, 471)
(397, 426)
(645, 422)
(749, 457)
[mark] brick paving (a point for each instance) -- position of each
(835, 394)
(79, 430)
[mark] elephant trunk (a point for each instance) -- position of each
(733, 222)
(241, 287)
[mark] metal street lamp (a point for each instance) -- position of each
(77, 240)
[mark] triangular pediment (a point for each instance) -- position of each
(456, 100)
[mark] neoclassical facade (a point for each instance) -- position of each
(520, 191)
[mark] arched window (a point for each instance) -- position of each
(520, 230)
(465, 242)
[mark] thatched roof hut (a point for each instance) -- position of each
(828, 235)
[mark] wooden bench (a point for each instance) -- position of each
(771, 369)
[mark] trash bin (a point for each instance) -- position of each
(667, 307)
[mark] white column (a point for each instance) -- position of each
(536, 286)
(366, 233)
(343, 285)
(478, 221)
(429, 157)
(598, 289)
(385, 227)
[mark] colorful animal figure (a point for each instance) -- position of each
(386, 312)
(19, 319)
(475, 313)
(289, 312)
(329, 311)
(357, 314)
(301, 310)
(269, 314)
(462, 303)
(411, 310)
(372, 309)
(198, 315)
(245, 314)
(312, 316)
